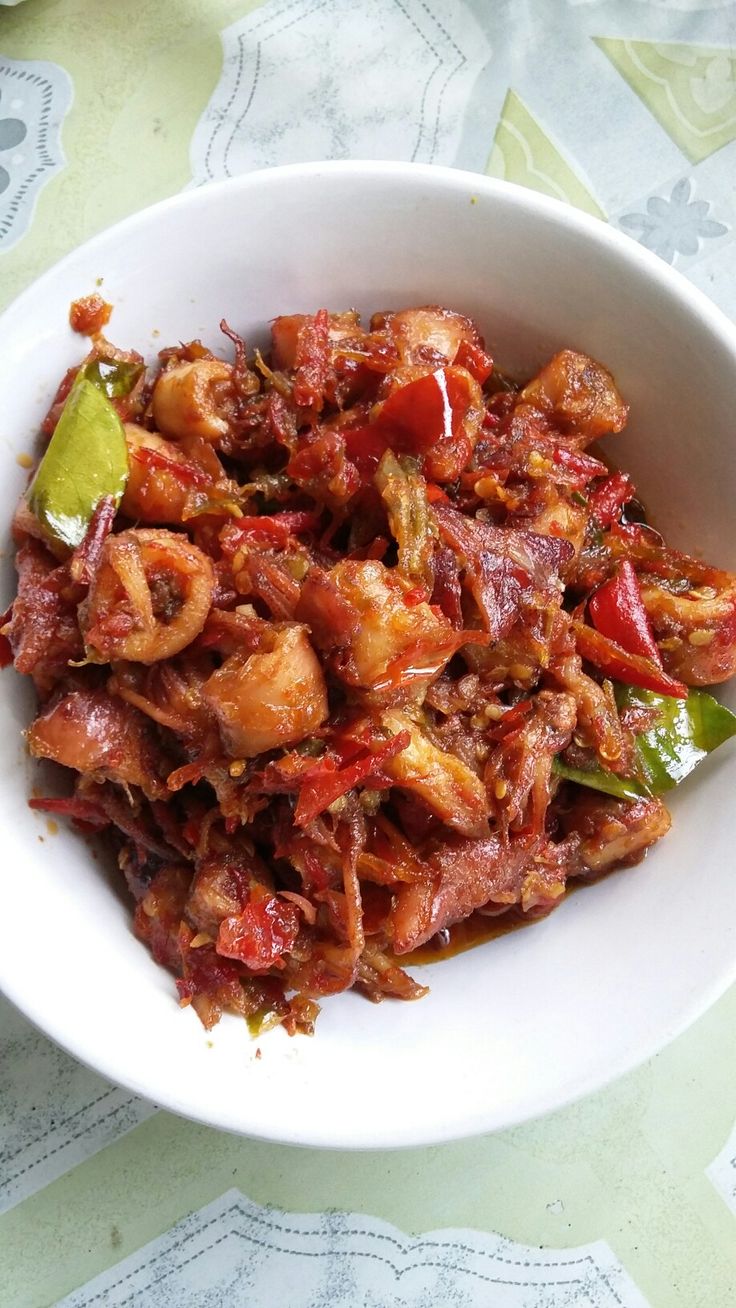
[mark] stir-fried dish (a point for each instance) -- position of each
(349, 642)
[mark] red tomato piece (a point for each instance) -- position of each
(416, 417)
(258, 936)
(474, 360)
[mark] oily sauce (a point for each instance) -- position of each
(474, 930)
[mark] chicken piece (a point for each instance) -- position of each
(164, 473)
(96, 734)
(696, 631)
(285, 334)
(170, 693)
(578, 396)
(560, 518)
(443, 783)
(598, 721)
(220, 888)
(383, 644)
(518, 771)
(43, 631)
(428, 335)
(158, 914)
(209, 983)
(271, 698)
(614, 832)
(195, 399)
(462, 876)
(153, 494)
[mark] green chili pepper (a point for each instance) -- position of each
(86, 459)
(113, 377)
(683, 733)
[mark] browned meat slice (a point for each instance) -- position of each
(615, 832)
(90, 731)
(578, 396)
(463, 875)
(274, 697)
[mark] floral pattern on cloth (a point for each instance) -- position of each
(235, 1252)
(35, 96)
(284, 94)
(54, 1113)
(674, 225)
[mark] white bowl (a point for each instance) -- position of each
(535, 1019)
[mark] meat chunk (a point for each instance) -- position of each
(195, 399)
(271, 698)
(578, 395)
(220, 888)
(90, 731)
(598, 722)
(696, 630)
(519, 769)
(286, 330)
(463, 875)
(384, 644)
(429, 335)
(441, 781)
(159, 913)
(615, 832)
(43, 631)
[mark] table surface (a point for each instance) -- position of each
(627, 110)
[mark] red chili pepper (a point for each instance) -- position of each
(423, 417)
(417, 595)
(365, 447)
(614, 661)
(475, 361)
(491, 421)
(330, 778)
(418, 416)
(57, 404)
(79, 810)
(617, 610)
(582, 466)
(436, 495)
(277, 527)
(511, 720)
(86, 557)
(184, 472)
(637, 533)
(608, 499)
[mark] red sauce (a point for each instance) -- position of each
(89, 315)
(475, 930)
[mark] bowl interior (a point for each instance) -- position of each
(533, 1019)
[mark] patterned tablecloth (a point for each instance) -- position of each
(626, 108)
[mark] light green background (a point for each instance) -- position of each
(628, 1164)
